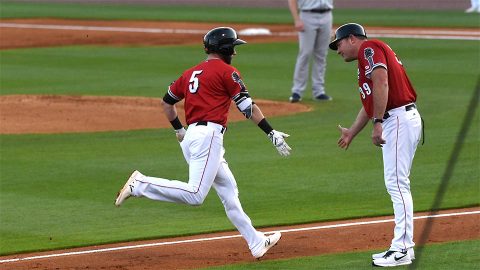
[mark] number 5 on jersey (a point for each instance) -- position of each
(193, 86)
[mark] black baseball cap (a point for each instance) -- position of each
(345, 31)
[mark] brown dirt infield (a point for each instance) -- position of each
(60, 114)
(54, 114)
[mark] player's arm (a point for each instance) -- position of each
(170, 111)
(251, 111)
(380, 91)
(254, 113)
(347, 134)
(292, 5)
(379, 79)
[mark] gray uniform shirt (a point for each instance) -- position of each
(314, 4)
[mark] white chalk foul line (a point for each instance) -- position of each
(226, 237)
(389, 33)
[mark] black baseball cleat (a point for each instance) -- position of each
(295, 98)
(322, 97)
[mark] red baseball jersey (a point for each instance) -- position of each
(208, 89)
(373, 54)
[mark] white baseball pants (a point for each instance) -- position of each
(402, 132)
(203, 150)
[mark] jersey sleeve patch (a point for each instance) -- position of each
(368, 54)
(242, 99)
(236, 78)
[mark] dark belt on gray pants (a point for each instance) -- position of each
(317, 10)
(205, 123)
(407, 108)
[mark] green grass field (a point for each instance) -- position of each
(57, 190)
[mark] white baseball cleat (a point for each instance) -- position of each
(393, 258)
(471, 10)
(410, 251)
(127, 189)
(270, 241)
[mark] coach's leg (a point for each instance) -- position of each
(402, 137)
(226, 188)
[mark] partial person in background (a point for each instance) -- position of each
(475, 6)
(388, 100)
(208, 90)
(313, 21)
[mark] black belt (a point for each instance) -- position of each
(317, 10)
(205, 123)
(407, 108)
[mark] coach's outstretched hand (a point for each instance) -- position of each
(279, 142)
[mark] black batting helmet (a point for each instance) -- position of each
(345, 31)
(221, 40)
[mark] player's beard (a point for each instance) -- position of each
(226, 58)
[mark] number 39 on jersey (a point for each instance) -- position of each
(364, 90)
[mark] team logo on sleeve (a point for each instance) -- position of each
(368, 54)
(236, 78)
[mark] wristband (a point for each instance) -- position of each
(265, 126)
(377, 120)
(176, 124)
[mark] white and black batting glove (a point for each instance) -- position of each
(279, 142)
(180, 133)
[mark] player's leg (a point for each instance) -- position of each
(320, 53)
(306, 41)
(401, 134)
(409, 137)
(202, 147)
(226, 188)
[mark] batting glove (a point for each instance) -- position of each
(180, 133)
(279, 142)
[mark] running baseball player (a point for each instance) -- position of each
(388, 100)
(208, 89)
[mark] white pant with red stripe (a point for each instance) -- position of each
(203, 150)
(402, 132)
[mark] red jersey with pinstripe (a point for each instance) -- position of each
(208, 89)
(373, 54)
